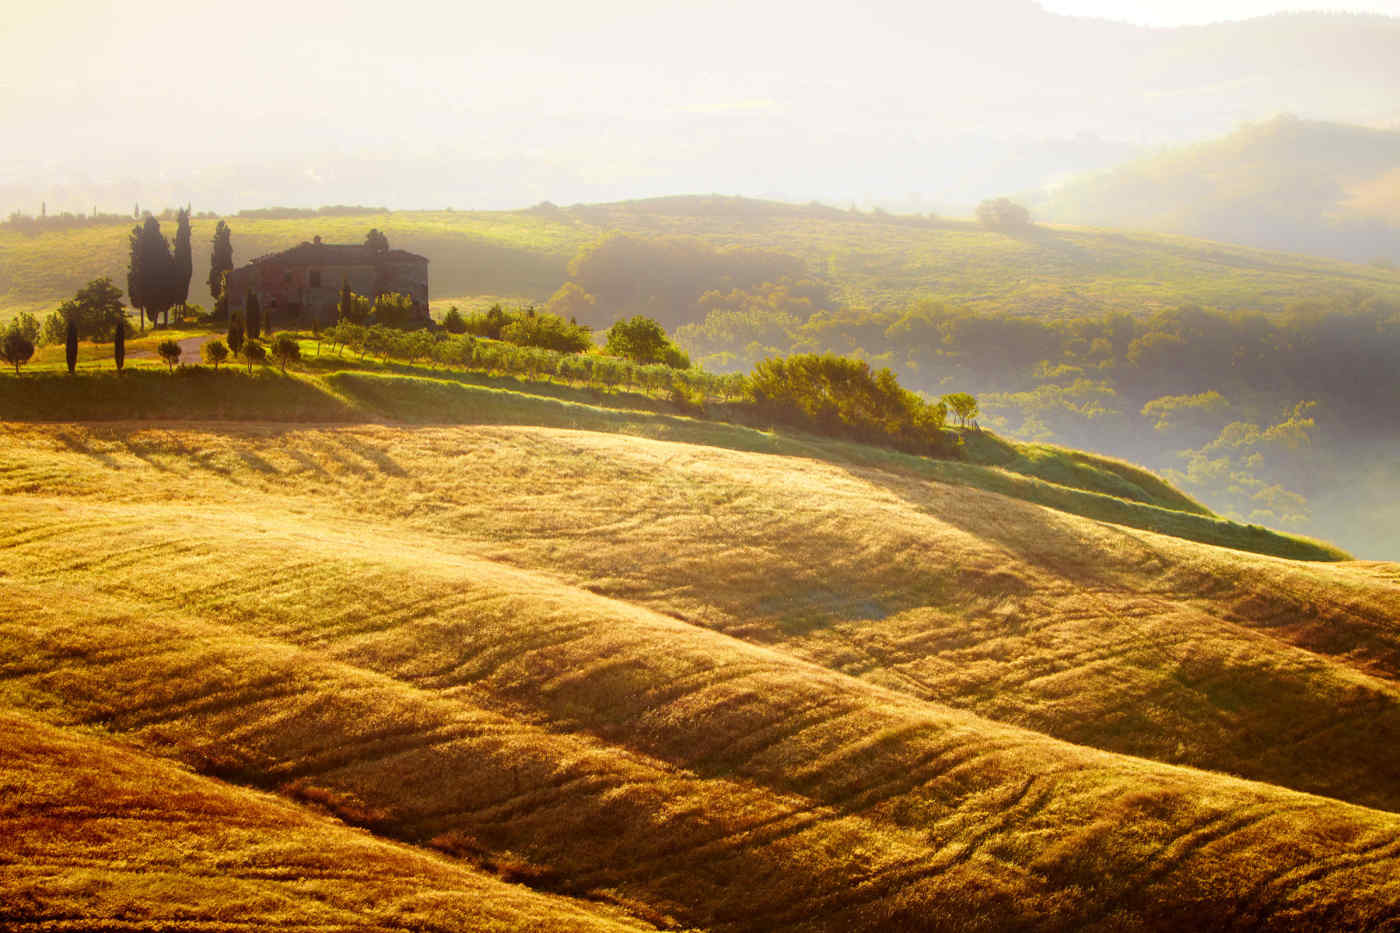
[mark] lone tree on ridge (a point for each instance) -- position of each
(963, 406)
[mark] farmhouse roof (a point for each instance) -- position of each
(338, 254)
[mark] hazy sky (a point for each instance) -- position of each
(1193, 12)
(475, 103)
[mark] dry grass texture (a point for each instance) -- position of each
(670, 685)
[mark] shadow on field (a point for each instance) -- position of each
(79, 445)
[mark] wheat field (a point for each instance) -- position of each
(457, 677)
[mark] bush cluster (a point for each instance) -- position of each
(470, 352)
(840, 396)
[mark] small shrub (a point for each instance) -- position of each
(169, 351)
(16, 349)
(285, 349)
(214, 353)
(252, 352)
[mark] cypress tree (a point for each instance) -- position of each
(220, 263)
(181, 264)
(135, 274)
(235, 334)
(152, 271)
(70, 346)
(119, 345)
(346, 306)
(254, 324)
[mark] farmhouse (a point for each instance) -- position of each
(304, 282)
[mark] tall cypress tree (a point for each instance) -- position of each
(254, 325)
(135, 274)
(70, 346)
(182, 263)
(119, 345)
(152, 270)
(346, 306)
(221, 303)
(235, 334)
(220, 261)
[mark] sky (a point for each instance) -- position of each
(471, 103)
(1197, 12)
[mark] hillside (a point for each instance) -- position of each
(658, 681)
(1326, 189)
(1071, 481)
(859, 259)
(1033, 322)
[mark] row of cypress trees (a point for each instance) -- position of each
(158, 275)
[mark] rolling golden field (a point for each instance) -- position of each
(264, 675)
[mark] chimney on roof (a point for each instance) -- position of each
(317, 241)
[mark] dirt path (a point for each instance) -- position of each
(190, 349)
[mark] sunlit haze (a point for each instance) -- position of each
(930, 106)
(1199, 12)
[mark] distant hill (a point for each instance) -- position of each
(1327, 189)
(861, 259)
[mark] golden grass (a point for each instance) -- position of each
(98, 836)
(715, 687)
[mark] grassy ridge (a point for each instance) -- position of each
(597, 746)
(868, 259)
(1082, 484)
(1079, 470)
(438, 401)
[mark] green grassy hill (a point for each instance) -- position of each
(1321, 188)
(1071, 481)
(865, 259)
(660, 672)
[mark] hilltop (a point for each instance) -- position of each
(860, 259)
(651, 674)
(1326, 189)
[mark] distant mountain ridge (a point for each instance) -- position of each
(1329, 189)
